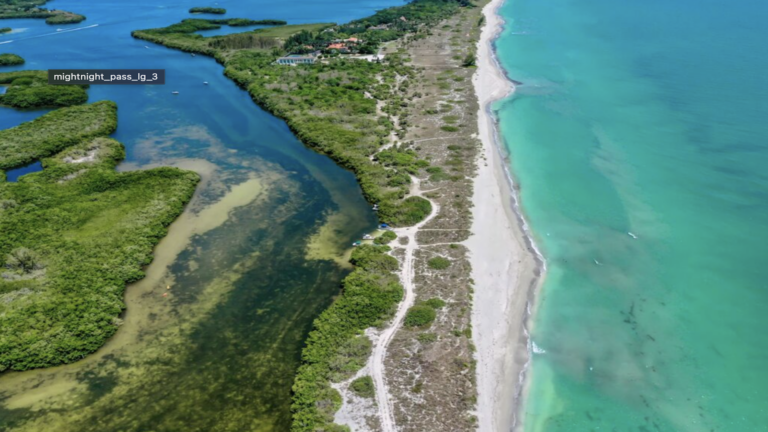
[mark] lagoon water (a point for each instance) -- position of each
(256, 257)
(649, 118)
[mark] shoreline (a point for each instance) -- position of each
(502, 252)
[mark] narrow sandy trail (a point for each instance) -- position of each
(385, 406)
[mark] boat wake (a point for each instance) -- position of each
(57, 32)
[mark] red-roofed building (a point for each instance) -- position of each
(337, 46)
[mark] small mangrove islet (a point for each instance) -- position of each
(8, 59)
(208, 10)
(30, 90)
(10, 9)
(74, 234)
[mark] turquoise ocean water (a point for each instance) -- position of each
(649, 118)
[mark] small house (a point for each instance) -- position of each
(295, 59)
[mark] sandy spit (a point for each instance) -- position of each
(505, 265)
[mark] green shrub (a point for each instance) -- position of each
(470, 59)
(435, 303)
(439, 263)
(350, 358)
(449, 128)
(385, 238)
(426, 338)
(374, 258)
(420, 316)
(363, 386)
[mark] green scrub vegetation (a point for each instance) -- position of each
(336, 347)
(32, 9)
(183, 36)
(74, 234)
(208, 10)
(30, 90)
(55, 131)
(385, 238)
(439, 263)
(420, 316)
(363, 386)
(5, 30)
(11, 60)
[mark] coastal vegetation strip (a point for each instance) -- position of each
(429, 364)
(208, 10)
(74, 234)
(336, 347)
(10, 9)
(8, 59)
(30, 90)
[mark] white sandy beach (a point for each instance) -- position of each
(503, 266)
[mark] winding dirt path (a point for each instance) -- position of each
(383, 401)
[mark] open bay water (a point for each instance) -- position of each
(258, 254)
(640, 143)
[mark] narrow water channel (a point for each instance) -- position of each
(257, 255)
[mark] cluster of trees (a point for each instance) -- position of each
(5, 30)
(383, 26)
(183, 36)
(32, 9)
(244, 41)
(208, 10)
(74, 235)
(196, 24)
(370, 295)
(10, 60)
(30, 89)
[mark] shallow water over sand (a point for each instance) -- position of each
(211, 336)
